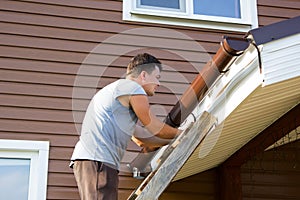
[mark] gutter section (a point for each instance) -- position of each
(230, 49)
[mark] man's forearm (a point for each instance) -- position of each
(151, 142)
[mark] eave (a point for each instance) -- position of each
(247, 101)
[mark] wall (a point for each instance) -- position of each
(273, 174)
(45, 52)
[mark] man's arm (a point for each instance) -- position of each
(144, 138)
(141, 107)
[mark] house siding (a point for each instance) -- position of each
(43, 46)
(270, 11)
(273, 174)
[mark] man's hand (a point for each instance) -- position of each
(141, 107)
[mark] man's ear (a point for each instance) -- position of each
(143, 75)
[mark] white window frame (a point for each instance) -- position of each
(38, 153)
(185, 16)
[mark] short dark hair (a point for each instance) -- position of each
(142, 62)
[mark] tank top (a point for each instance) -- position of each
(108, 125)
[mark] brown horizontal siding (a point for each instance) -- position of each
(108, 50)
(274, 174)
(63, 186)
(78, 34)
(55, 139)
(278, 192)
(270, 12)
(43, 13)
(59, 166)
(197, 187)
(111, 5)
(67, 180)
(116, 6)
(284, 12)
(39, 64)
(39, 127)
(68, 193)
(267, 178)
(14, 75)
(60, 179)
(36, 77)
(38, 102)
(42, 54)
(291, 4)
(60, 153)
(43, 46)
(189, 196)
(66, 92)
(38, 114)
(37, 90)
(91, 13)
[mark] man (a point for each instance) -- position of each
(110, 122)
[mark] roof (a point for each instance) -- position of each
(246, 100)
(276, 31)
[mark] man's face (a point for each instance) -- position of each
(151, 82)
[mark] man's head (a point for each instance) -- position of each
(145, 69)
(142, 62)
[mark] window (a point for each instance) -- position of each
(234, 15)
(14, 173)
(23, 169)
(228, 8)
(170, 5)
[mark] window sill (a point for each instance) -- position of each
(182, 20)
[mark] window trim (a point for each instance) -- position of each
(247, 21)
(38, 153)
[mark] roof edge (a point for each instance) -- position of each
(276, 31)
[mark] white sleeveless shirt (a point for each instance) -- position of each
(108, 125)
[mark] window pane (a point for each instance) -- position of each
(228, 8)
(161, 3)
(14, 178)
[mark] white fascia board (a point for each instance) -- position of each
(281, 59)
(233, 87)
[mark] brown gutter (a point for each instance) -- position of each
(230, 48)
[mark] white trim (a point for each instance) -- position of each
(179, 18)
(38, 153)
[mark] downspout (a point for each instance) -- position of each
(230, 48)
